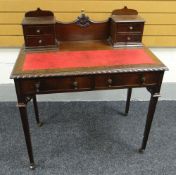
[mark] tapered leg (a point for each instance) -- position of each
(151, 111)
(128, 101)
(25, 124)
(36, 111)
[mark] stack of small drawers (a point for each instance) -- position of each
(39, 32)
(126, 30)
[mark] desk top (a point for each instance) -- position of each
(84, 58)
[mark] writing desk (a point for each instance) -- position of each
(34, 80)
(85, 60)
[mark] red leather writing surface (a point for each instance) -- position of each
(84, 59)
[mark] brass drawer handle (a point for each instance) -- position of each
(143, 79)
(109, 82)
(128, 38)
(75, 85)
(131, 27)
(38, 30)
(40, 41)
(37, 86)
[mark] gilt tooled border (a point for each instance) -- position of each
(76, 73)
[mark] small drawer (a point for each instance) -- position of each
(39, 30)
(130, 27)
(46, 40)
(128, 38)
(125, 80)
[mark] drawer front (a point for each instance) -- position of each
(86, 83)
(39, 30)
(63, 84)
(130, 27)
(128, 38)
(31, 41)
(125, 80)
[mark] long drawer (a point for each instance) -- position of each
(126, 79)
(57, 84)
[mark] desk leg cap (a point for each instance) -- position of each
(40, 124)
(32, 166)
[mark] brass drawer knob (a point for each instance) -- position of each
(40, 41)
(38, 31)
(128, 38)
(75, 85)
(109, 82)
(143, 79)
(131, 27)
(37, 86)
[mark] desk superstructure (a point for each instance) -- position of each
(64, 70)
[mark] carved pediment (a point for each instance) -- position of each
(39, 13)
(83, 20)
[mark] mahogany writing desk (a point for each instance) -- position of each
(88, 63)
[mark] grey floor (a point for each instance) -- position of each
(89, 138)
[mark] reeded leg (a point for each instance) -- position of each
(25, 124)
(36, 112)
(128, 101)
(151, 111)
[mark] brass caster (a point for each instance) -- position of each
(32, 166)
(141, 150)
(40, 124)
